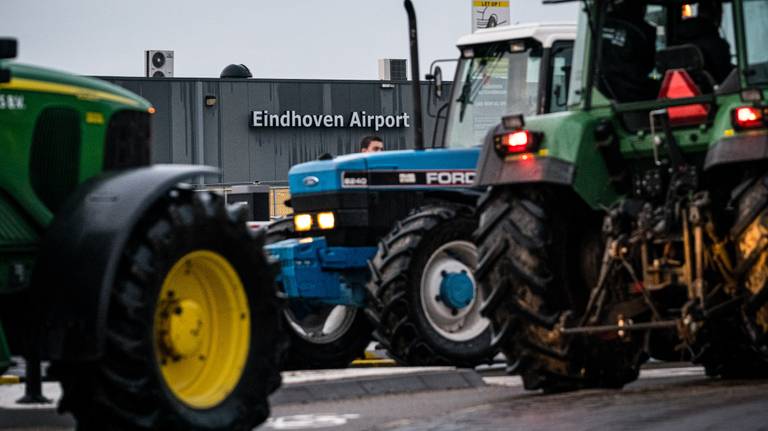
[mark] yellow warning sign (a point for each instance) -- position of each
(477, 3)
(489, 14)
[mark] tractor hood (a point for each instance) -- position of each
(326, 175)
(37, 79)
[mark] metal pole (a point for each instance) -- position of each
(33, 383)
(415, 75)
(612, 328)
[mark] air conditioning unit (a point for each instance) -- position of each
(391, 69)
(158, 64)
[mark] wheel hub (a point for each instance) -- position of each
(202, 329)
(457, 289)
(184, 328)
(449, 298)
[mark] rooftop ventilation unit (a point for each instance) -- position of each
(391, 69)
(158, 64)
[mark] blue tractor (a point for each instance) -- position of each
(381, 243)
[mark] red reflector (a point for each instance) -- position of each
(679, 85)
(747, 117)
(516, 142)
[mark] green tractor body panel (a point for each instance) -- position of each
(5, 352)
(573, 137)
(57, 131)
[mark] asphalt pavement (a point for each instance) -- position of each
(664, 398)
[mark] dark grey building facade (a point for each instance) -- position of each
(236, 124)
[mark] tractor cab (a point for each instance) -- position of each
(671, 59)
(522, 69)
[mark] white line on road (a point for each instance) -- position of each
(657, 373)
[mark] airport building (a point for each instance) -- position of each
(254, 130)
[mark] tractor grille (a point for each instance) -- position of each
(128, 138)
(55, 155)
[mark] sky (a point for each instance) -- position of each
(289, 39)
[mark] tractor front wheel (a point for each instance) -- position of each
(423, 299)
(321, 336)
(193, 333)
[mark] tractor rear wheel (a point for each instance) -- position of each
(193, 333)
(321, 336)
(738, 345)
(423, 299)
(537, 264)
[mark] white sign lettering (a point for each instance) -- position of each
(12, 102)
(450, 178)
(357, 119)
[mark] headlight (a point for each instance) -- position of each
(302, 222)
(326, 220)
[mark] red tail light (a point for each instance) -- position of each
(748, 117)
(519, 141)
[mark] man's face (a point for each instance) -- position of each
(374, 146)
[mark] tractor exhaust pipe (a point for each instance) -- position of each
(415, 76)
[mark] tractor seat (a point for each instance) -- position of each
(689, 58)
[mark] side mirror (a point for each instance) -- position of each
(8, 48)
(437, 75)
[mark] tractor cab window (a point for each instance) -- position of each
(492, 81)
(560, 72)
(756, 35)
(641, 44)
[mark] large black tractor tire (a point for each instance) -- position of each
(193, 332)
(314, 344)
(737, 345)
(536, 261)
(411, 320)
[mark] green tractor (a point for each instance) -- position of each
(154, 303)
(635, 224)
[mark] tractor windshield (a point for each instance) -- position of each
(491, 81)
(755, 19)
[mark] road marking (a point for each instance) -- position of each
(656, 373)
(10, 393)
(659, 373)
(310, 421)
(292, 377)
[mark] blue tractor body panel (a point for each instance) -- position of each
(313, 270)
(329, 175)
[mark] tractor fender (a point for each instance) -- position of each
(737, 149)
(494, 170)
(75, 271)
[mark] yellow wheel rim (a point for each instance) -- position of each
(202, 329)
